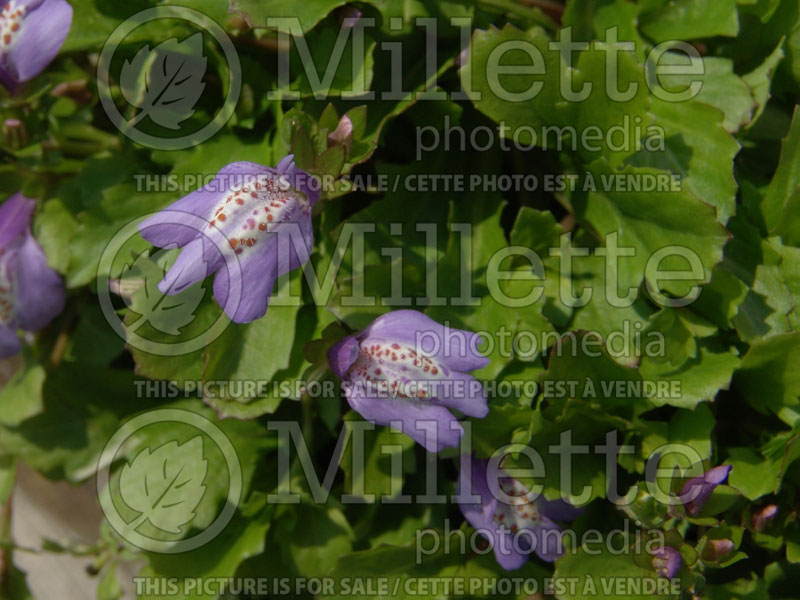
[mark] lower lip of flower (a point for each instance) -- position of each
(246, 215)
(520, 513)
(398, 368)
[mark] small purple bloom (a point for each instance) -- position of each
(31, 34)
(696, 492)
(249, 225)
(31, 293)
(716, 549)
(764, 516)
(343, 134)
(349, 15)
(407, 368)
(667, 561)
(515, 523)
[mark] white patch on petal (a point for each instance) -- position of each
(248, 213)
(11, 18)
(8, 280)
(398, 368)
(521, 513)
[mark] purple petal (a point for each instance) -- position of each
(343, 354)
(507, 553)
(456, 348)
(472, 481)
(174, 226)
(697, 490)
(287, 248)
(42, 31)
(463, 393)
(717, 475)
(549, 545)
(9, 342)
(558, 510)
(194, 263)
(40, 291)
(418, 419)
(667, 561)
(15, 218)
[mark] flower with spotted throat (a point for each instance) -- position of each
(249, 225)
(515, 522)
(31, 34)
(407, 370)
(31, 293)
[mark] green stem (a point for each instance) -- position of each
(532, 14)
(5, 536)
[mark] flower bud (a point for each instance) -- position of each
(761, 519)
(15, 134)
(716, 549)
(343, 134)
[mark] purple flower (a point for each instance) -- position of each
(31, 33)
(31, 293)
(249, 225)
(666, 561)
(406, 369)
(696, 492)
(515, 523)
(764, 516)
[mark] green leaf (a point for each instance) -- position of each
(760, 79)
(257, 355)
(768, 377)
(512, 99)
(689, 19)
(697, 380)
(596, 576)
(720, 87)
(699, 150)
(381, 447)
(218, 559)
(309, 12)
(21, 397)
(781, 205)
(675, 219)
(752, 474)
(316, 545)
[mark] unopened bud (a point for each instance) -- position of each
(762, 518)
(716, 549)
(74, 90)
(349, 16)
(343, 134)
(15, 134)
